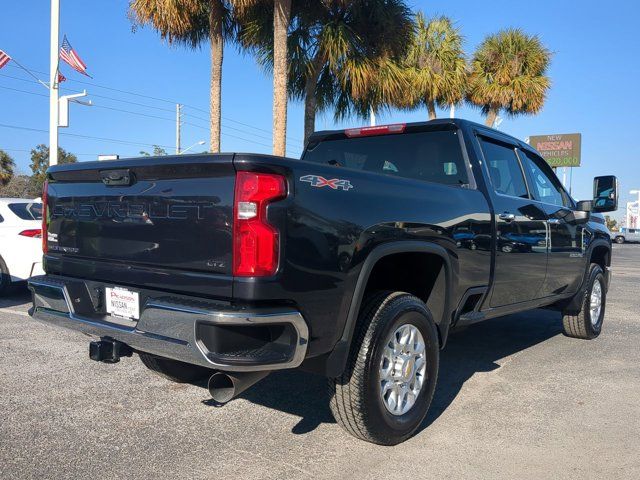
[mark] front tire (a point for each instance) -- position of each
(174, 370)
(587, 324)
(388, 383)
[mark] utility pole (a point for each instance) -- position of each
(452, 111)
(53, 83)
(372, 117)
(178, 122)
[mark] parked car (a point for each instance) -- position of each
(20, 240)
(626, 235)
(353, 262)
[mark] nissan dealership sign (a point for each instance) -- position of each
(559, 150)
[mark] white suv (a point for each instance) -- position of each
(20, 240)
(626, 235)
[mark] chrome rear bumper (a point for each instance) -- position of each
(176, 328)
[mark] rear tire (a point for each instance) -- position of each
(358, 399)
(587, 324)
(174, 370)
(619, 240)
(5, 277)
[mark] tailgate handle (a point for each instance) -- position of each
(116, 177)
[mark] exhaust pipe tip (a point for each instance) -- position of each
(221, 387)
(224, 387)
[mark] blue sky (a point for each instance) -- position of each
(595, 50)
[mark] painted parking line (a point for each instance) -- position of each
(15, 312)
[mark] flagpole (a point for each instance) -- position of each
(53, 83)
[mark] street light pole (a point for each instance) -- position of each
(201, 142)
(53, 83)
(178, 122)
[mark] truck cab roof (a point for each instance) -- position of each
(412, 127)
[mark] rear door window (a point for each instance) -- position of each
(504, 168)
(27, 211)
(432, 156)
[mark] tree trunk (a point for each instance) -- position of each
(310, 99)
(217, 52)
(431, 108)
(492, 114)
(281, 15)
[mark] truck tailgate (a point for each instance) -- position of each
(173, 214)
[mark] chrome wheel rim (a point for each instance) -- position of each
(595, 302)
(402, 369)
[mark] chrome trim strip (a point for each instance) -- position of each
(167, 329)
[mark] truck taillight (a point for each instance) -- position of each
(255, 241)
(45, 210)
(32, 232)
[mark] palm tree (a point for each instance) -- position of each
(265, 31)
(508, 72)
(336, 50)
(281, 18)
(370, 86)
(371, 79)
(6, 167)
(435, 65)
(191, 23)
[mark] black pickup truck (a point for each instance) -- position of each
(354, 262)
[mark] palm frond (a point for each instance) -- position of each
(509, 72)
(177, 21)
(349, 37)
(185, 22)
(435, 64)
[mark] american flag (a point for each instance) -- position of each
(4, 59)
(69, 55)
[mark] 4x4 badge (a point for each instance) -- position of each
(334, 183)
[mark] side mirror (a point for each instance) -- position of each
(605, 194)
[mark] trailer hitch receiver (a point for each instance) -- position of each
(108, 350)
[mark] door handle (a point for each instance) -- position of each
(507, 217)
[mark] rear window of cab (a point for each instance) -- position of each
(432, 156)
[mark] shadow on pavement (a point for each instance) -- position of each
(15, 295)
(474, 349)
(478, 347)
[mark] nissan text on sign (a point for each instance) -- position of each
(558, 150)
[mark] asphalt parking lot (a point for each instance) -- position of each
(516, 399)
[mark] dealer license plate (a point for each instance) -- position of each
(123, 303)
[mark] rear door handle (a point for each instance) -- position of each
(507, 217)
